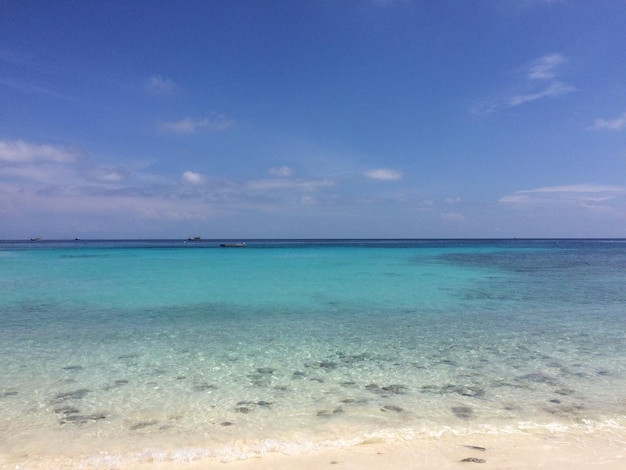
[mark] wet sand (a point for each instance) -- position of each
(598, 450)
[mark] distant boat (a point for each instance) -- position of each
(194, 239)
(233, 245)
(35, 239)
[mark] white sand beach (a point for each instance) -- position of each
(604, 450)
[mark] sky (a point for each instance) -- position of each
(312, 119)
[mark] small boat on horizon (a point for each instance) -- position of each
(35, 239)
(194, 239)
(233, 245)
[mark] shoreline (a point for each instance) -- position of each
(601, 449)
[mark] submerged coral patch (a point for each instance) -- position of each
(464, 412)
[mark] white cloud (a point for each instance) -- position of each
(515, 5)
(271, 184)
(158, 84)
(119, 205)
(19, 152)
(383, 174)
(189, 125)
(577, 188)
(105, 175)
(281, 171)
(29, 88)
(47, 181)
(579, 194)
(514, 199)
(545, 67)
(540, 82)
(553, 90)
(452, 200)
(36, 175)
(611, 124)
(193, 177)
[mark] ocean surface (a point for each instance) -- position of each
(120, 351)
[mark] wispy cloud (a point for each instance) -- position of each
(545, 71)
(299, 184)
(541, 81)
(38, 175)
(553, 90)
(577, 188)
(13, 57)
(512, 6)
(103, 174)
(29, 85)
(281, 171)
(611, 124)
(383, 174)
(18, 151)
(545, 67)
(308, 201)
(28, 88)
(189, 125)
(160, 85)
(579, 194)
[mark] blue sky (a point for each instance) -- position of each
(313, 119)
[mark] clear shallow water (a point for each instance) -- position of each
(165, 345)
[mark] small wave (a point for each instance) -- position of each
(226, 453)
(223, 453)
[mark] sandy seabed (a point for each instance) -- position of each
(604, 449)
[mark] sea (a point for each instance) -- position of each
(114, 352)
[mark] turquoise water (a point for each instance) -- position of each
(185, 349)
